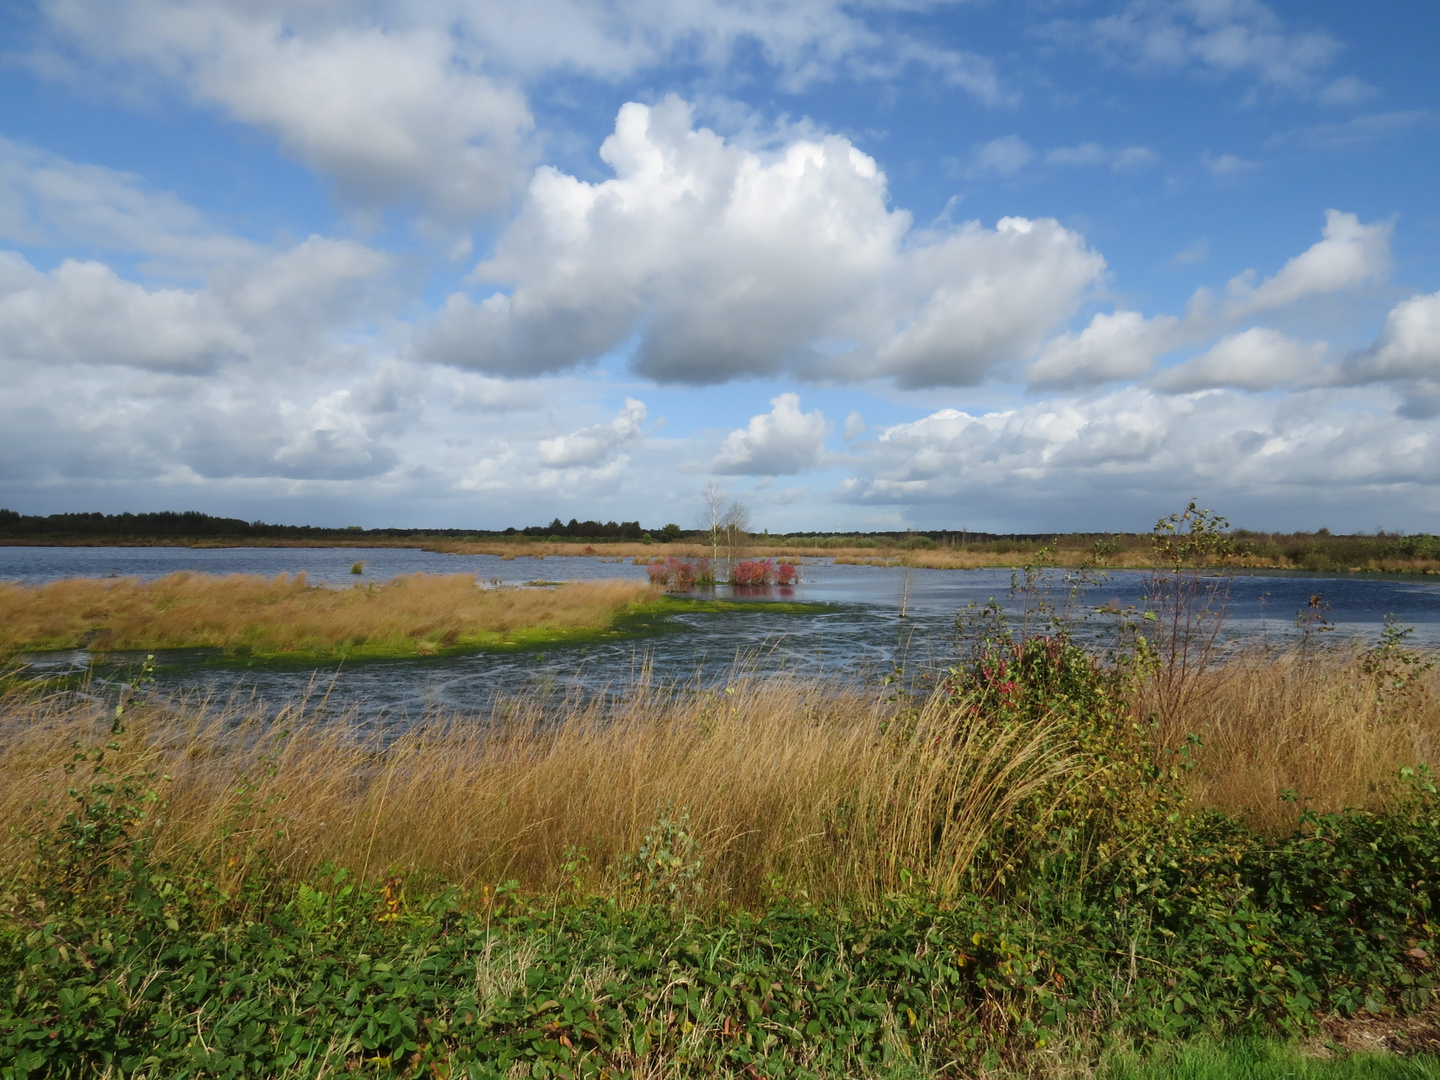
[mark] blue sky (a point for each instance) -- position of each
(1034, 265)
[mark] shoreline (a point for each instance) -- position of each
(638, 553)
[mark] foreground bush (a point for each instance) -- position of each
(150, 969)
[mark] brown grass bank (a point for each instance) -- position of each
(418, 614)
(769, 785)
(1325, 725)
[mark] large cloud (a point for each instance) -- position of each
(1408, 346)
(782, 442)
(724, 264)
(597, 444)
(423, 102)
(1406, 354)
(1254, 359)
(1070, 455)
(385, 112)
(83, 312)
(1123, 345)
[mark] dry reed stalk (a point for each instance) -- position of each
(417, 613)
(784, 783)
(1312, 723)
(814, 789)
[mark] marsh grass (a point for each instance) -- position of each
(1132, 552)
(768, 787)
(773, 785)
(1279, 730)
(417, 614)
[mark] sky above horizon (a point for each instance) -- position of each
(1026, 266)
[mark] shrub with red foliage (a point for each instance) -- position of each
(752, 572)
(787, 574)
(680, 575)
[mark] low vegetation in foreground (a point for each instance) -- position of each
(1046, 863)
(247, 615)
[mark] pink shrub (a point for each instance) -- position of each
(680, 575)
(753, 572)
(787, 574)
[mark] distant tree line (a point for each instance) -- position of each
(186, 525)
(193, 525)
(625, 530)
(1319, 550)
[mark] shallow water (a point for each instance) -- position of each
(860, 633)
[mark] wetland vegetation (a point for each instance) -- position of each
(1032, 869)
(246, 615)
(1051, 860)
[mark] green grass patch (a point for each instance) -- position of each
(1261, 1059)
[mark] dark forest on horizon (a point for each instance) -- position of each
(1309, 549)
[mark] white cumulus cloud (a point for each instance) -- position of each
(1136, 446)
(1350, 254)
(82, 312)
(782, 442)
(1408, 346)
(721, 262)
(385, 112)
(595, 445)
(1122, 345)
(1254, 359)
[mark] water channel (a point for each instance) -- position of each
(873, 621)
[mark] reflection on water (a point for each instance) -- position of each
(860, 634)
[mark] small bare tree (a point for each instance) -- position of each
(726, 520)
(712, 516)
(1187, 598)
(735, 522)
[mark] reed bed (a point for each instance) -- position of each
(1281, 730)
(410, 615)
(770, 786)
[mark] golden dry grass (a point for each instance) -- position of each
(938, 558)
(788, 786)
(1317, 724)
(412, 615)
(785, 784)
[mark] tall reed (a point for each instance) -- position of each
(765, 786)
(1279, 730)
(776, 784)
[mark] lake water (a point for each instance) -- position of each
(860, 633)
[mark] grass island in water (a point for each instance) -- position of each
(286, 617)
